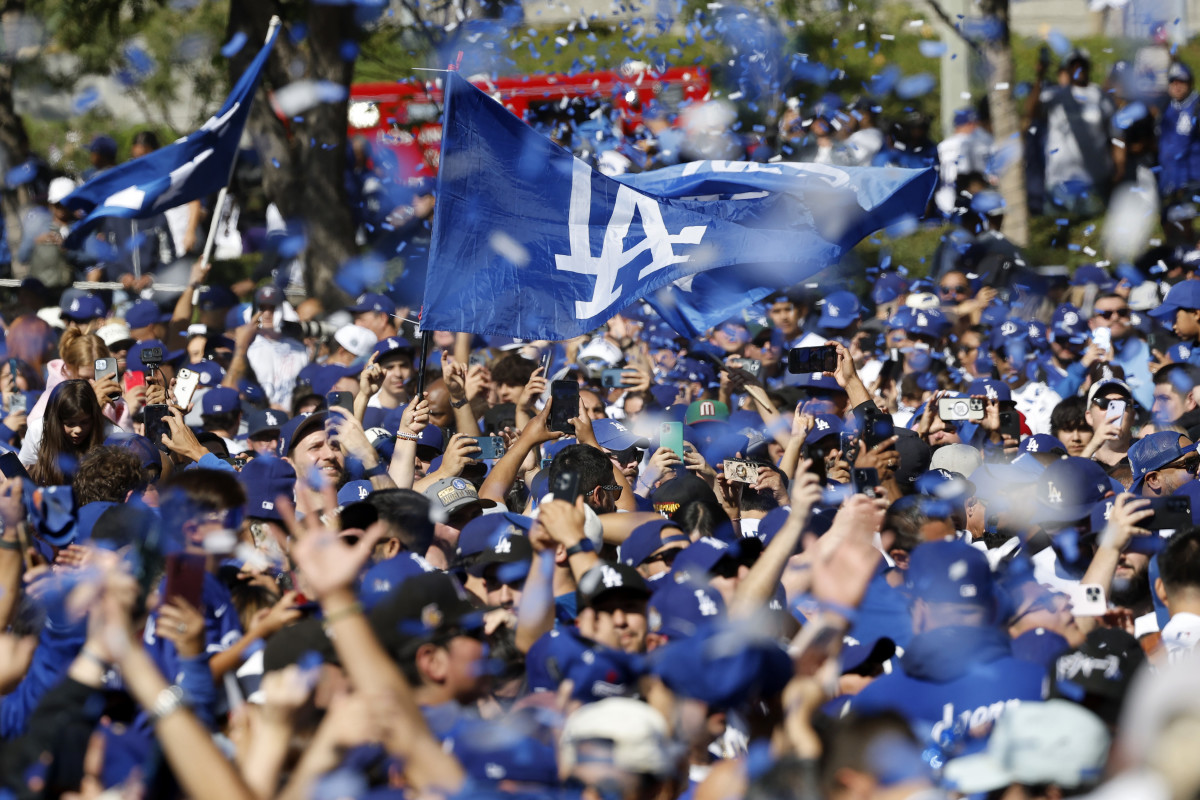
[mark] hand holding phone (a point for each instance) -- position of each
(564, 406)
(670, 436)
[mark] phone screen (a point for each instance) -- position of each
(671, 437)
(156, 425)
(185, 579)
(1116, 410)
(564, 405)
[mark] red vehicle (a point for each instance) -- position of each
(404, 116)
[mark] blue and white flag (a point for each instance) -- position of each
(185, 170)
(532, 243)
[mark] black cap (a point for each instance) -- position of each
(507, 549)
(669, 497)
(605, 578)
(423, 608)
(292, 643)
(915, 457)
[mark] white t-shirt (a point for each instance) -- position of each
(1077, 134)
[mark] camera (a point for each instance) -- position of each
(309, 329)
(152, 356)
(953, 409)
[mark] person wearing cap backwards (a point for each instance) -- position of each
(958, 674)
(1179, 136)
(1077, 116)
(275, 358)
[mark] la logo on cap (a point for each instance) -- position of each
(504, 545)
(611, 577)
(1053, 495)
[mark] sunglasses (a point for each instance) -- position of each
(955, 290)
(1190, 464)
(612, 489)
(1120, 312)
(667, 557)
(629, 454)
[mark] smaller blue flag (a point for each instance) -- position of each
(191, 168)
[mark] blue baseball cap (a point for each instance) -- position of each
(816, 380)
(949, 572)
(503, 750)
(840, 310)
(1068, 326)
(1178, 71)
(145, 313)
(220, 400)
(354, 492)
(1185, 295)
(297, 428)
(648, 537)
(613, 435)
(928, 322)
(679, 609)
(381, 578)
(264, 420)
(1038, 334)
(1042, 443)
(211, 373)
(965, 116)
(990, 388)
(265, 479)
(393, 344)
(1068, 490)
(482, 533)
(723, 667)
(1154, 452)
(824, 425)
(888, 287)
(133, 359)
(325, 377)
(698, 559)
(944, 485)
(214, 298)
(237, 316)
(84, 308)
(372, 302)
(1094, 273)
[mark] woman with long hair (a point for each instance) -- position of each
(73, 424)
(78, 352)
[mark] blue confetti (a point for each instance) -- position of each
(932, 48)
(915, 85)
(231, 48)
(85, 100)
(1058, 42)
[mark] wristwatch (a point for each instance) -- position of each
(584, 545)
(169, 701)
(459, 403)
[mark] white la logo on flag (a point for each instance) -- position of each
(504, 545)
(611, 577)
(706, 606)
(613, 256)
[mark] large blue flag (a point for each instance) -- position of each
(532, 243)
(185, 170)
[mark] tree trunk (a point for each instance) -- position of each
(304, 162)
(1006, 123)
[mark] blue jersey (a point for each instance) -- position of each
(1179, 145)
(222, 629)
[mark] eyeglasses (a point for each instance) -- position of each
(955, 290)
(613, 489)
(1120, 312)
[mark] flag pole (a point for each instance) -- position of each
(426, 339)
(219, 208)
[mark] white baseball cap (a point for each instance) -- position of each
(113, 332)
(1056, 742)
(638, 733)
(59, 188)
(356, 339)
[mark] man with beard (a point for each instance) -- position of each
(1124, 575)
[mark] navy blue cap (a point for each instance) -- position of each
(1068, 490)
(613, 435)
(965, 116)
(265, 479)
(263, 420)
(679, 609)
(928, 322)
(354, 492)
(859, 654)
(220, 400)
(84, 308)
(816, 380)
(326, 377)
(648, 537)
(1042, 443)
(297, 428)
(1178, 71)
(722, 668)
(949, 572)
(840, 310)
(372, 302)
(1153, 452)
(824, 425)
(214, 298)
(944, 485)
(1068, 326)
(268, 295)
(1185, 294)
(144, 313)
(133, 359)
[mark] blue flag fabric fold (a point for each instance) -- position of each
(532, 243)
(188, 169)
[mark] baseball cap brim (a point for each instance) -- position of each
(1166, 310)
(975, 774)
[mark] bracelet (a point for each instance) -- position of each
(459, 404)
(169, 701)
(342, 613)
(375, 471)
(6, 544)
(408, 437)
(584, 545)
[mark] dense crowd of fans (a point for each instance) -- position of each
(915, 537)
